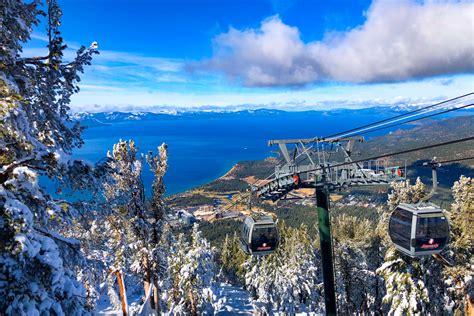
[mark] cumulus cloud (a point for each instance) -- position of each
(400, 40)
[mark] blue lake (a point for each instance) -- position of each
(204, 146)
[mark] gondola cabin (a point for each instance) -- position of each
(259, 236)
(419, 229)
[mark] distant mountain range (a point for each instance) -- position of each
(291, 106)
(106, 118)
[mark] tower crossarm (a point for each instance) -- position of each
(333, 168)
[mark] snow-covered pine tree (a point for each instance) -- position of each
(177, 295)
(460, 278)
(126, 231)
(87, 227)
(257, 284)
(404, 192)
(299, 275)
(238, 257)
(158, 165)
(287, 280)
(36, 138)
(125, 194)
(130, 229)
(406, 291)
(159, 235)
(194, 273)
(232, 259)
(166, 250)
(357, 247)
(225, 257)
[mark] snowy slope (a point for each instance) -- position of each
(233, 300)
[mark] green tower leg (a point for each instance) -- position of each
(322, 202)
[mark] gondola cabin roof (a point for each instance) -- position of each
(421, 208)
(262, 220)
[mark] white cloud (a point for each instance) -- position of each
(39, 37)
(157, 63)
(400, 40)
(122, 65)
(120, 98)
(131, 69)
(44, 38)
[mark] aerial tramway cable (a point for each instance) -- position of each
(398, 116)
(375, 126)
(414, 120)
(456, 160)
(397, 153)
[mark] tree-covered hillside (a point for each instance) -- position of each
(429, 132)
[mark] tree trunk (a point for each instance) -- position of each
(193, 303)
(123, 295)
(175, 288)
(469, 306)
(156, 297)
(147, 276)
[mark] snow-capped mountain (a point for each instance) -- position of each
(105, 118)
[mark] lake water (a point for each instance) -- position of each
(204, 146)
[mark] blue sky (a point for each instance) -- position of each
(283, 54)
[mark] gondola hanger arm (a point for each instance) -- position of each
(434, 176)
(443, 261)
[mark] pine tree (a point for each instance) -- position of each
(357, 247)
(193, 270)
(36, 138)
(287, 280)
(300, 273)
(460, 278)
(136, 226)
(232, 259)
(166, 250)
(238, 258)
(177, 295)
(406, 292)
(160, 236)
(88, 227)
(225, 256)
(126, 196)
(404, 192)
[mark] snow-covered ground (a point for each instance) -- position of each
(230, 300)
(233, 300)
(104, 307)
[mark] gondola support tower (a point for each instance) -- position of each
(324, 224)
(312, 165)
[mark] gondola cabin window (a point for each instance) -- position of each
(244, 232)
(432, 232)
(400, 228)
(264, 238)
